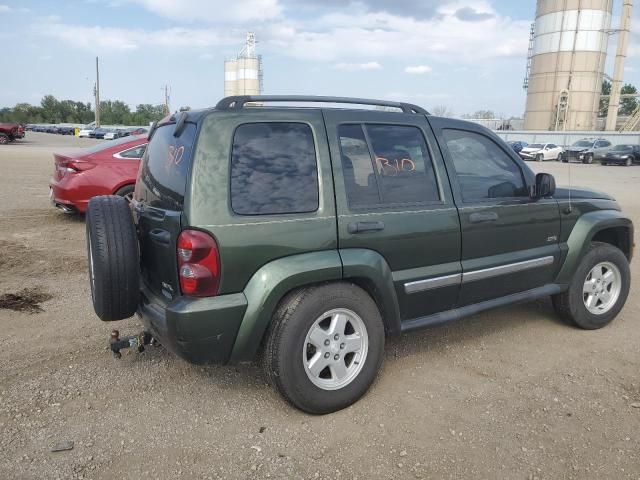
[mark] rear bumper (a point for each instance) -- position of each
(199, 330)
(66, 194)
(616, 161)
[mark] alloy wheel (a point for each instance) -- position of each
(335, 349)
(602, 288)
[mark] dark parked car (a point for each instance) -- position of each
(517, 145)
(99, 133)
(623, 155)
(137, 131)
(66, 130)
(310, 234)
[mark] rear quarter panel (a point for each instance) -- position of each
(247, 243)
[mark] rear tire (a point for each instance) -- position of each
(113, 255)
(4, 139)
(572, 304)
(336, 317)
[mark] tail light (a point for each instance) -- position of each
(198, 264)
(74, 166)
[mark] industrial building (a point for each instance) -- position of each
(243, 75)
(566, 64)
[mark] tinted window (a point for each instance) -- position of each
(134, 153)
(403, 164)
(400, 171)
(622, 148)
(357, 169)
(165, 166)
(551, 145)
(483, 169)
(273, 169)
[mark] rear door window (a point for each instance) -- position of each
(274, 169)
(386, 165)
(166, 165)
(403, 164)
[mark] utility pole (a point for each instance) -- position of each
(97, 94)
(618, 72)
(167, 108)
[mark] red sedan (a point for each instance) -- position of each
(109, 168)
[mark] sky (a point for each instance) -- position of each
(466, 55)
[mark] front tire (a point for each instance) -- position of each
(628, 162)
(539, 157)
(588, 159)
(598, 290)
(324, 347)
(4, 139)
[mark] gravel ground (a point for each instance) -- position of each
(512, 393)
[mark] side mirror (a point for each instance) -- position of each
(545, 185)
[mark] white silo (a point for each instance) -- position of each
(243, 76)
(567, 64)
(230, 77)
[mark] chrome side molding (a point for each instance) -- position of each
(475, 275)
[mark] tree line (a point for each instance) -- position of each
(52, 110)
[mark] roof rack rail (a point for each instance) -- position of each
(238, 102)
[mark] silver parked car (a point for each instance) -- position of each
(587, 150)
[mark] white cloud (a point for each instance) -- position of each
(7, 9)
(443, 37)
(418, 69)
(345, 40)
(120, 39)
(214, 11)
(355, 67)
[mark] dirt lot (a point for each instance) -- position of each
(512, 393)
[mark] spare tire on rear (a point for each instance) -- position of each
(112, 246)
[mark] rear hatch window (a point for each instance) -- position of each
(165, 167)
(160, 191)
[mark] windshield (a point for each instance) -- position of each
(111, 143)
(583, 143)
(622, 148)
(535, 145)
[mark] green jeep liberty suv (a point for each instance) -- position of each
(309, 234)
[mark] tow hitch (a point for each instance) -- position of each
(133, 341)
